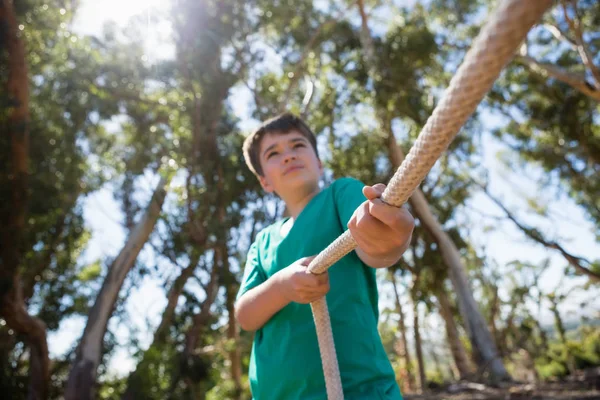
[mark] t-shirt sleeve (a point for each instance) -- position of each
(348, 196)
(253, 272)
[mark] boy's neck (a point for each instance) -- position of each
(295, 204)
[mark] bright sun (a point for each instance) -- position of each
(91, 16)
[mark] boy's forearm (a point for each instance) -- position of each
(259, 304)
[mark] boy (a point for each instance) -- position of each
(277, 287)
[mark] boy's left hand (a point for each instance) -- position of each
(381, 230)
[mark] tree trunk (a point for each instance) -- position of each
(562, 333)
(33, 330)
(495, 309)
(508, 333)
(161, 332)
(476, 327)
(543, 338)
(82, 377)
(459, 352)
(436, 360)
(404, 353)
(199, 321)
(17, 129)
(418, 345)
(233, 333)
(558, 323)
(14, 211)
(475, 323)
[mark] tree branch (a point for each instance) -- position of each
(560, 35)
(576, 81)
(534, 234)
(575, 26)
(300, 64)
(32, 275)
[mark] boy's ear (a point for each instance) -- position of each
(266, 185)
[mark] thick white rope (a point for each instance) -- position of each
(492, 50)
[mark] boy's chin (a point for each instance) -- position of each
(299, 184)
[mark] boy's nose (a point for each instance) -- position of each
(289, 156)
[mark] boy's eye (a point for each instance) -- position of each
(273, 153)
(299, 145)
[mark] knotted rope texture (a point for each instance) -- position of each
(492, 50)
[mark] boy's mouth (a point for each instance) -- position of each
(292, 169)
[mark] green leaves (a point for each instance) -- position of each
(90, 272)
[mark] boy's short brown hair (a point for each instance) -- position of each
(281, 124)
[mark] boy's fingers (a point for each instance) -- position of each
(373, 192)
(391, 216)
(316, 296)
(306, 260)
(383, 212)
(380, 187)
(365, 220)
(370, 193)
(315, 280)
(322, 278)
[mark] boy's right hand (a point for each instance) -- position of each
(297, 284)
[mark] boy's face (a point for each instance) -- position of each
(289, 164)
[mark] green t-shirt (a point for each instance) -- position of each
(285, 362)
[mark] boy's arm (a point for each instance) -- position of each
(259, 304)
(293, 283)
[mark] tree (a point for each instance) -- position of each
(14, 211)
(403, 342)
(459, 353)
(472, 317)
(548, 100)
(82, 378)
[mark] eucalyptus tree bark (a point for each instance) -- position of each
(162, 331)
(82, 377)
(13, 211)
(404, 353)
(459, 353)
(475, 324)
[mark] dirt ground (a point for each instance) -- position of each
(579, 390)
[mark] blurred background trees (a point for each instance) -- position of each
(126, 208)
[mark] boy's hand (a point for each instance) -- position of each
(380, 230)
(297, 284)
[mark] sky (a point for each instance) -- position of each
(504, 243)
